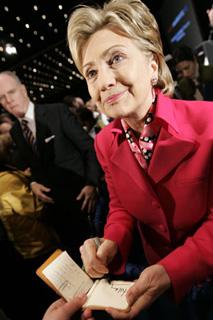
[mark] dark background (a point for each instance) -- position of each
(43, 60)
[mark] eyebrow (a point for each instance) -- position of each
(104, 54)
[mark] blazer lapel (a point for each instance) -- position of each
(131, 167)
(45, 148)
(169, 151)
(18, 137)
(40, 128)
(137, 193)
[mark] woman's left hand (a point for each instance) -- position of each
(152, 282)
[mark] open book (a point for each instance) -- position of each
(64, 276)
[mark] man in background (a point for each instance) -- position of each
(65, 171)
(195, 81)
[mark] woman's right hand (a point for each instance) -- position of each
(96, 258)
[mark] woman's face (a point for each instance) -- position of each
(118, 75)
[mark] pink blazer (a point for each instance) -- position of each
(172, 205)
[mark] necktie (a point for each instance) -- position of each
(31, 140)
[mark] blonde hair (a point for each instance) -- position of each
(129, 18)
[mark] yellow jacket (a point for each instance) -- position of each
(21, 215)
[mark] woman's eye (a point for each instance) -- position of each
(117, 58)
(90, 74)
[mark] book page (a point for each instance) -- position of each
(104, 294)
(67, 277)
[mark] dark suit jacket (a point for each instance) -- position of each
(64, 148)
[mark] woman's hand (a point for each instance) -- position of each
(97, 257)
(152, 282)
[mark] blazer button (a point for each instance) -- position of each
(162, 228)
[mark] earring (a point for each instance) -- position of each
(154, 81)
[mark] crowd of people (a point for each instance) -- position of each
(132, 165)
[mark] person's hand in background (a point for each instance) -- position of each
(63, 310)
(40, 191)
(88, 195)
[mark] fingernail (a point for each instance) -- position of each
(82, 296)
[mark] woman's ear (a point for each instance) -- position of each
(154, 65)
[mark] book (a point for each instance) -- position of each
(64, 276)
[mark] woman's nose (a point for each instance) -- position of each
(107, 79)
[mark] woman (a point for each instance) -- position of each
(156, 155)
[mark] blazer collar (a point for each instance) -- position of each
(171, 148)
(122, 158)
(169, 151)
(165, 111)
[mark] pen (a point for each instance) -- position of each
(98, 243)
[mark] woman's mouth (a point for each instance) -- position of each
(114, 97)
